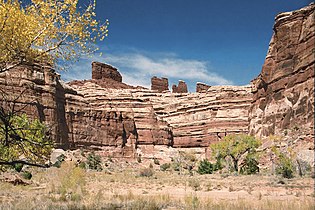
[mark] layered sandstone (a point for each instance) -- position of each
(283, 96)
(200, 119)
(201, 87)
(102, 70)
(180, 88)
(159, 84)
(37, 91)
(123, 121)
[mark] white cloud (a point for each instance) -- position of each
(137, 69)
(143, 68)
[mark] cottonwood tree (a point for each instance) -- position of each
(241, 149)
(22, 141)
(47, 31)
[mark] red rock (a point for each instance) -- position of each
(159, 84)
(201, 87)
(123, 121)
(101, 70)
(181, 88)
(282, 98)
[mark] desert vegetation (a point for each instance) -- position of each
(85, 180)
(132, 185)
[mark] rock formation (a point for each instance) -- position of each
(124, 121)
(38, 90)
(200, 119)
(105, 76)
(201, 87)
(181, 88)
(102, 70)
(283, 96)
(159, 84)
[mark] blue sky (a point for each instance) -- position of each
(215, 42)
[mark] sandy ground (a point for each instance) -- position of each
(176, 191)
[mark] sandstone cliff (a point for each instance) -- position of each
(125, 121)
(283, 96)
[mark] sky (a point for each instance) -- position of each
(215, 42)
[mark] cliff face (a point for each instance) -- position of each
(198, 119)
(137, 118)
(124, 121)
(37, 91)
(283, 96)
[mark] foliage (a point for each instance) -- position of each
(22, 140)
(146, 172)
(94, 162)
(27, 175)
(235, 147)
(73, 181)
(250, 165)
(285, 166)
(18, 167)
(205, 167)
(165, 166)
(60, 159)
(47, 30)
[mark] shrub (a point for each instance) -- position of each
(18, 167)
(27, 175)
(146, 172)
(176, 166)
(60, 159)
(205, 167)
(250, 165)
(73, 181)
(165, 166)
(94, 162)
(82, 165)
(284, 166)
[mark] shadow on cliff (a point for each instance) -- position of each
(62, 129)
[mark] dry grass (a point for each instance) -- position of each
(70, 187)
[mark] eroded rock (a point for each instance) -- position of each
(180, 88)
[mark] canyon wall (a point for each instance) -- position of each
(125, 121)
(37, 91)
(283, 93)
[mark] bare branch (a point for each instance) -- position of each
(12, 163)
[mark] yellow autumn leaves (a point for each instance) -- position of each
(47, 30)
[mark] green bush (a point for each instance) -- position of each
(205, 167)
(27, 175)
(285, 166)
(250, 165)
(18, 167)
(165, 166)
(94, 162)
